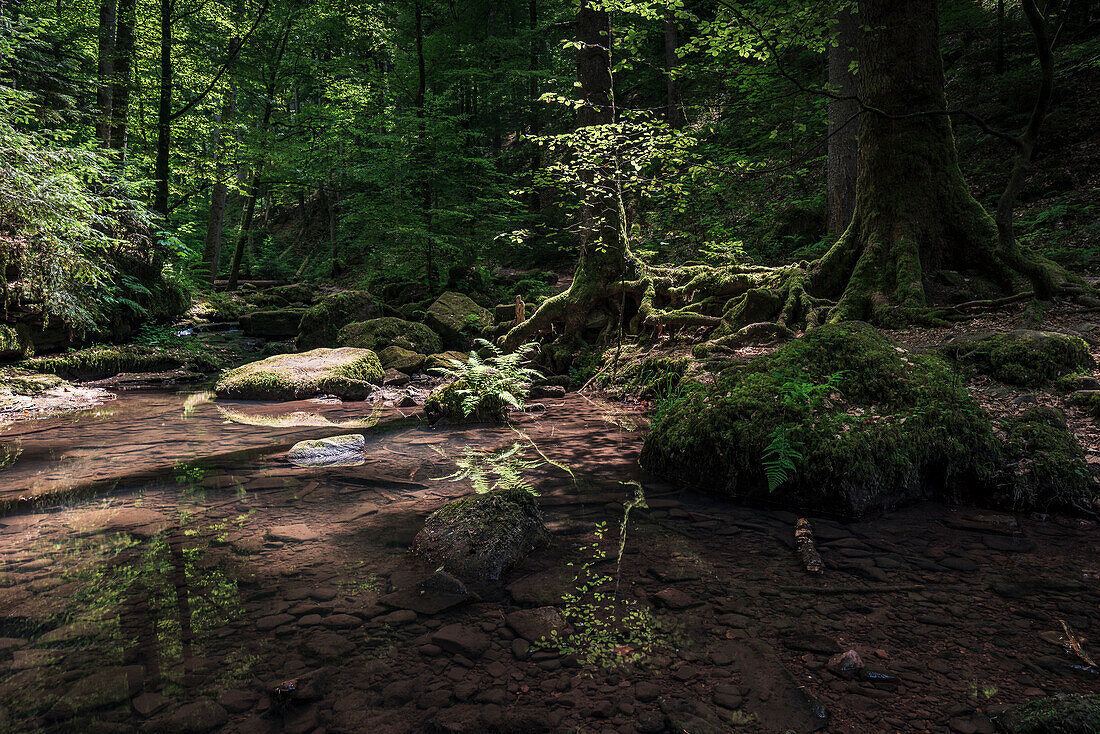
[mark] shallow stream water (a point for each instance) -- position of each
(163, 567)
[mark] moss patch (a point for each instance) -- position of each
(322, 322)
(1066, 714)
(96, 363)
(862, 424)
(403, 360)
(1046, 464)
(377, 334)
(1022, 357)
(348, 373)
(457, 318)
(15, 342)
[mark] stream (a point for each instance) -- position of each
(163, 567)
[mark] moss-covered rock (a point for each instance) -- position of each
(841, 420)
(1022, 357)
(377, 334)
(96, 363)
(1087, 399)
(402, 360)
(15, 342)
(347, 372)
(482, 537)
(457, 318)
(322, 322)
(447, 402)
(1045, 464)
(443, 360)
(1065, 714)
(274, 324)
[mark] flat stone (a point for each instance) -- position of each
(296, 533)
(332, 451)
(535, 625)
(959, 564)
(197, 717)
(108, 687)
(462, 640)
(236, 701)
(341, 621)
(674, 598)
(437, 593)
(265, 624)
(148, 704)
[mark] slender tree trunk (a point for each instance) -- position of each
(120, 92)
(534, 123)
(161, 169)
(425, 183)
(215, 226)
(843, 124)
(674, 104)
(999, 62)
(105, 71)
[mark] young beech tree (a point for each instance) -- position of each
(913, 214)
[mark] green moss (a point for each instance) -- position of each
(96, 363)
(15, 342)
(655, 376)
(1065, 714)
(1089, 400)
(872, 426)
(377, 334)
(403, 360)
(1022, 357)
(457, 318)
(322, 322)
(347, 373)
(446, 402)
(1046, 464)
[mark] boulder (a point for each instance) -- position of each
(274, 324)
(537, 625)
(347, 373)
(443, 360)
(1021, 357)
(1071, 713)
(332, 451)
(377, 334)
(457, 318)
(401, 359)
(841, 420)
(482, 537)
(321, 323)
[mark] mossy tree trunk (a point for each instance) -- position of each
(914, 213)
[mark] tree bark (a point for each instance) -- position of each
(913, 213)
(674, 103)
(105, 71)
(164, 111)
(120, 91)
(424, 183)
(843, 125)
(215, 225)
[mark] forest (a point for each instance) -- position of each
(550, 366)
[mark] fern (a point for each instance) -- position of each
(780, 457)
(494, 381)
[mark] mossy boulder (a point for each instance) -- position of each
(443, 360)
(377, 334)
(1045, 463)
(290, 293)
(15, 342)
(1073, 713)
(1021, 357)
(333, 451)
(482, 537)
(322, 322)
(457, 318)
(99, 362)
(1087, 399)
(273, 324)
(447, 402)
(860, 424)
(402, 360)
(348, 373)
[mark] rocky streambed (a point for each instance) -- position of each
(242, 593)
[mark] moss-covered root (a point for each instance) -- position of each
(1064, 714)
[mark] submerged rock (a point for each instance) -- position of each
(388, 331)
(347, 373)
(482, 537)
(457, 318)
(333, 451)
(322, 322)
(841, 420)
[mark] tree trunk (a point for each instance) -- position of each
(105, 71)
(914, 213)
(843, 124)
(215, 225)
(674, 104)
(164, 111)
(424, 184)
(120, 92)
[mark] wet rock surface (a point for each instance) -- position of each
(303, 632)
